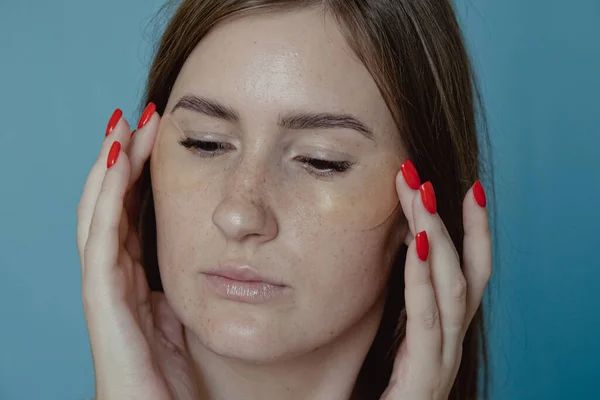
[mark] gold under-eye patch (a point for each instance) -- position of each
(361, 199)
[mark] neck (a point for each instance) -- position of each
(329, 372)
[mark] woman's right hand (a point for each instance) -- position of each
(137, 341)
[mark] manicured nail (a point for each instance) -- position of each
(422, 245)
(410, 174)
(114, 120)
(113, 154)
(479, 194)
(146, 115)
(134, 131)
(428, 197)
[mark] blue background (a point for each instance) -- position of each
(66, 64)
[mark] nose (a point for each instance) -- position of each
(242, 214)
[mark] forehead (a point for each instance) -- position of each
(283, 61)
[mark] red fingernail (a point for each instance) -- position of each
(428, 197)
(422, 245)
(479, 194)
(113, 154)
(134, 131)
(146, 115)
(410, 174)
(114, 120)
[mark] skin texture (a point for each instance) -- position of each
(239, 206)
(264, 206)
(259, 204)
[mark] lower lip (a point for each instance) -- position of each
(244, 291)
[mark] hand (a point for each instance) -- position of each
(441, 298)
(137, 342)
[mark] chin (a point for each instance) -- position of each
(242, 336)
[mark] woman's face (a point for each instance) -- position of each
(273, 178)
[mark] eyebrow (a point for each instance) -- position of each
(207, 107)
(299, 121)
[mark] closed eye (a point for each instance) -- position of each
(206, 148)
(315, 166)
(321, 167)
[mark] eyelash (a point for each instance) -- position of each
(200, 146)
(315, 166)
(327, 168)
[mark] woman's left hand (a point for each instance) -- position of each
(441, 297)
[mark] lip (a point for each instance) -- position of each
(243, 284)
(243, 273)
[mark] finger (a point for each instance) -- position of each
(423, 329)
(140, 148)
(166, 321)
(477, 248)
(93, 183)
(102, 246)
(132, 244)
(407, 186)
(142, 291)
(142, 142)
(447, 277)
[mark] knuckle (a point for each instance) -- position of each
(92, 298)
(94, 231)
(460, 289)
(436, 387)
(430, 317)
(86, 297)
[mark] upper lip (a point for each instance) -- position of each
(242, 272)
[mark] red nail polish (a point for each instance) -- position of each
(422, 245)
(114, 120)
(134, 131)
(428, 197)
(113, 154)
(410, 174)
(479, 194)
(146, 115)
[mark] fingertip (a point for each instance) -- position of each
(147, 115)
(400, 184)
(150, 124)
(475, 210)
(476, 196)
(410, 175)
(422, 245)
(479, 194)
(428, 197)
(113, 121)
(126, 125)
(407, 178)
(113, 154)
(119, 132)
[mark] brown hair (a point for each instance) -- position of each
(415, 52)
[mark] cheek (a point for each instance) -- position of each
(347, 271)
(183, 225)
(355, 261)
(183, 218)
(185, 239)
